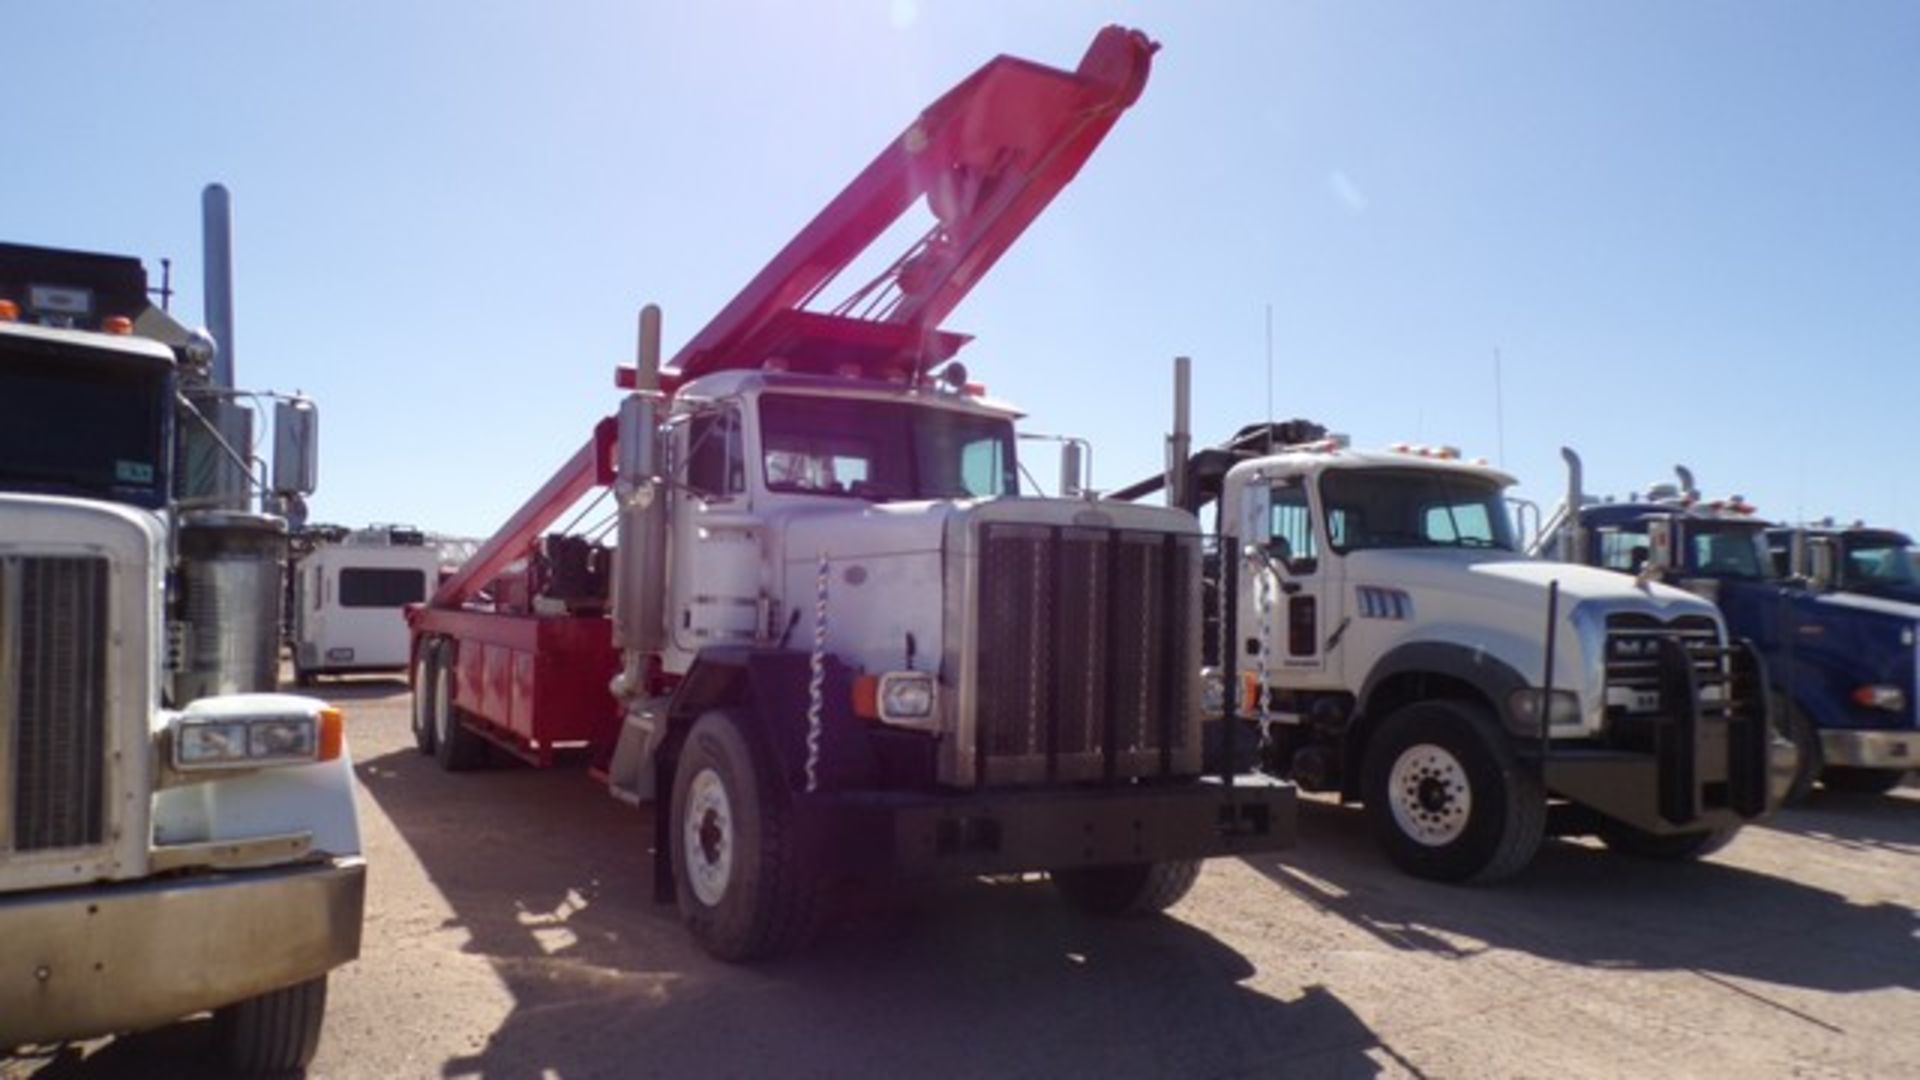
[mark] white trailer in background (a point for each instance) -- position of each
(349, 600)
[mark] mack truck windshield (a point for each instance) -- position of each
(175, 836)
(841, 643)
(1374, 622)
(1840, 660)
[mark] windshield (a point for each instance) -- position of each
(1727, 551)
(883, 451)
(83, 422)
(1403, 508)
(1887, 561)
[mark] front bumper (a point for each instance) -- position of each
(1014, 831)
(81, 962)
(1871, 749)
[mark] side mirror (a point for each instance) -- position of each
(1662, 542)
(296, 447)
(1256, 512)
(1822, 563)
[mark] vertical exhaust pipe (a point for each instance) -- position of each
(1574, 547)
(216, 240)
(1685, 476)
(1180, 442)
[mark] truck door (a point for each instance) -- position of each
(1295, 592)
(715, 588)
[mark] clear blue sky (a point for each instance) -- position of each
(1693, 230)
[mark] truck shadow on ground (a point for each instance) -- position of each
(1888, 822)
(550, 879)
(1581, 904)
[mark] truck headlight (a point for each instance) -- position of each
(1524, 709)
(907, 698)
(1890, 698)
(1213, 693)
(238, 733)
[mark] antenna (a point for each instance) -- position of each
(1269, 378)
(1499, 412)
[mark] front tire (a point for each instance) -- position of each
(1130, 890)
(744, 890)
(1448, 799)
(1793, 725)
(1858, 781)
(277, 1032)
(1667, 847)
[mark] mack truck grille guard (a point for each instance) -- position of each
(53, 702)
(1697, 684)
(1088, 654)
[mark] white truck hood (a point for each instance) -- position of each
(1510, 580)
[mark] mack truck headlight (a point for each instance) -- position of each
(247, 731)
(1524, 709)
(1213, 693)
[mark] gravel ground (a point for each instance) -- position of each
(510, 933)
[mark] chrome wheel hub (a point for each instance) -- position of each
(1429, 795)
(708, 837)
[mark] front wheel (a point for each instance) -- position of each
(1671, 847)
(1132, 889)
(744, 889)
(1793, 725)
(1447, 797)
(1858, 781)
(277, 1032)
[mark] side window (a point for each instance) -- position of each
(716, 465)
(1290, 529)
(983, 467)
(1623, 550)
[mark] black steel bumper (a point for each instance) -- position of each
(1712, 761)
(868, 834)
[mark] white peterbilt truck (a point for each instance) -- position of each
(175, 836)
(839, 639)
(1393, 646)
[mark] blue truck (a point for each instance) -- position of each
(1857, 558)
(1841, 663)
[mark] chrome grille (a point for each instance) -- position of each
(1088, 653)
(53, 653)
(1633, 651)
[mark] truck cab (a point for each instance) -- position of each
(1841, 663)
(1857, 559)
(1392, 645)
(175, 836)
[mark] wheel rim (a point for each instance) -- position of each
(1430, 795)
(707, 823)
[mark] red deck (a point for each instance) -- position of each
(535, 681)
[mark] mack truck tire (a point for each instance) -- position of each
(454, 746)
(1131, 889)
(423, 722)
(276, 1032)
(1858, 781)
(1624, 838)
(744, 889)
(1448, 799)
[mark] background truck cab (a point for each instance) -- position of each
(1841, 663)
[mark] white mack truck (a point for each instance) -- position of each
(1394, 647)
(175, 837)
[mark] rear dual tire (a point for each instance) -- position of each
(438, 729)
(1133, 889)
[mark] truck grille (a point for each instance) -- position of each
(1088, 654)
(53, 649)
(1633, 658)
